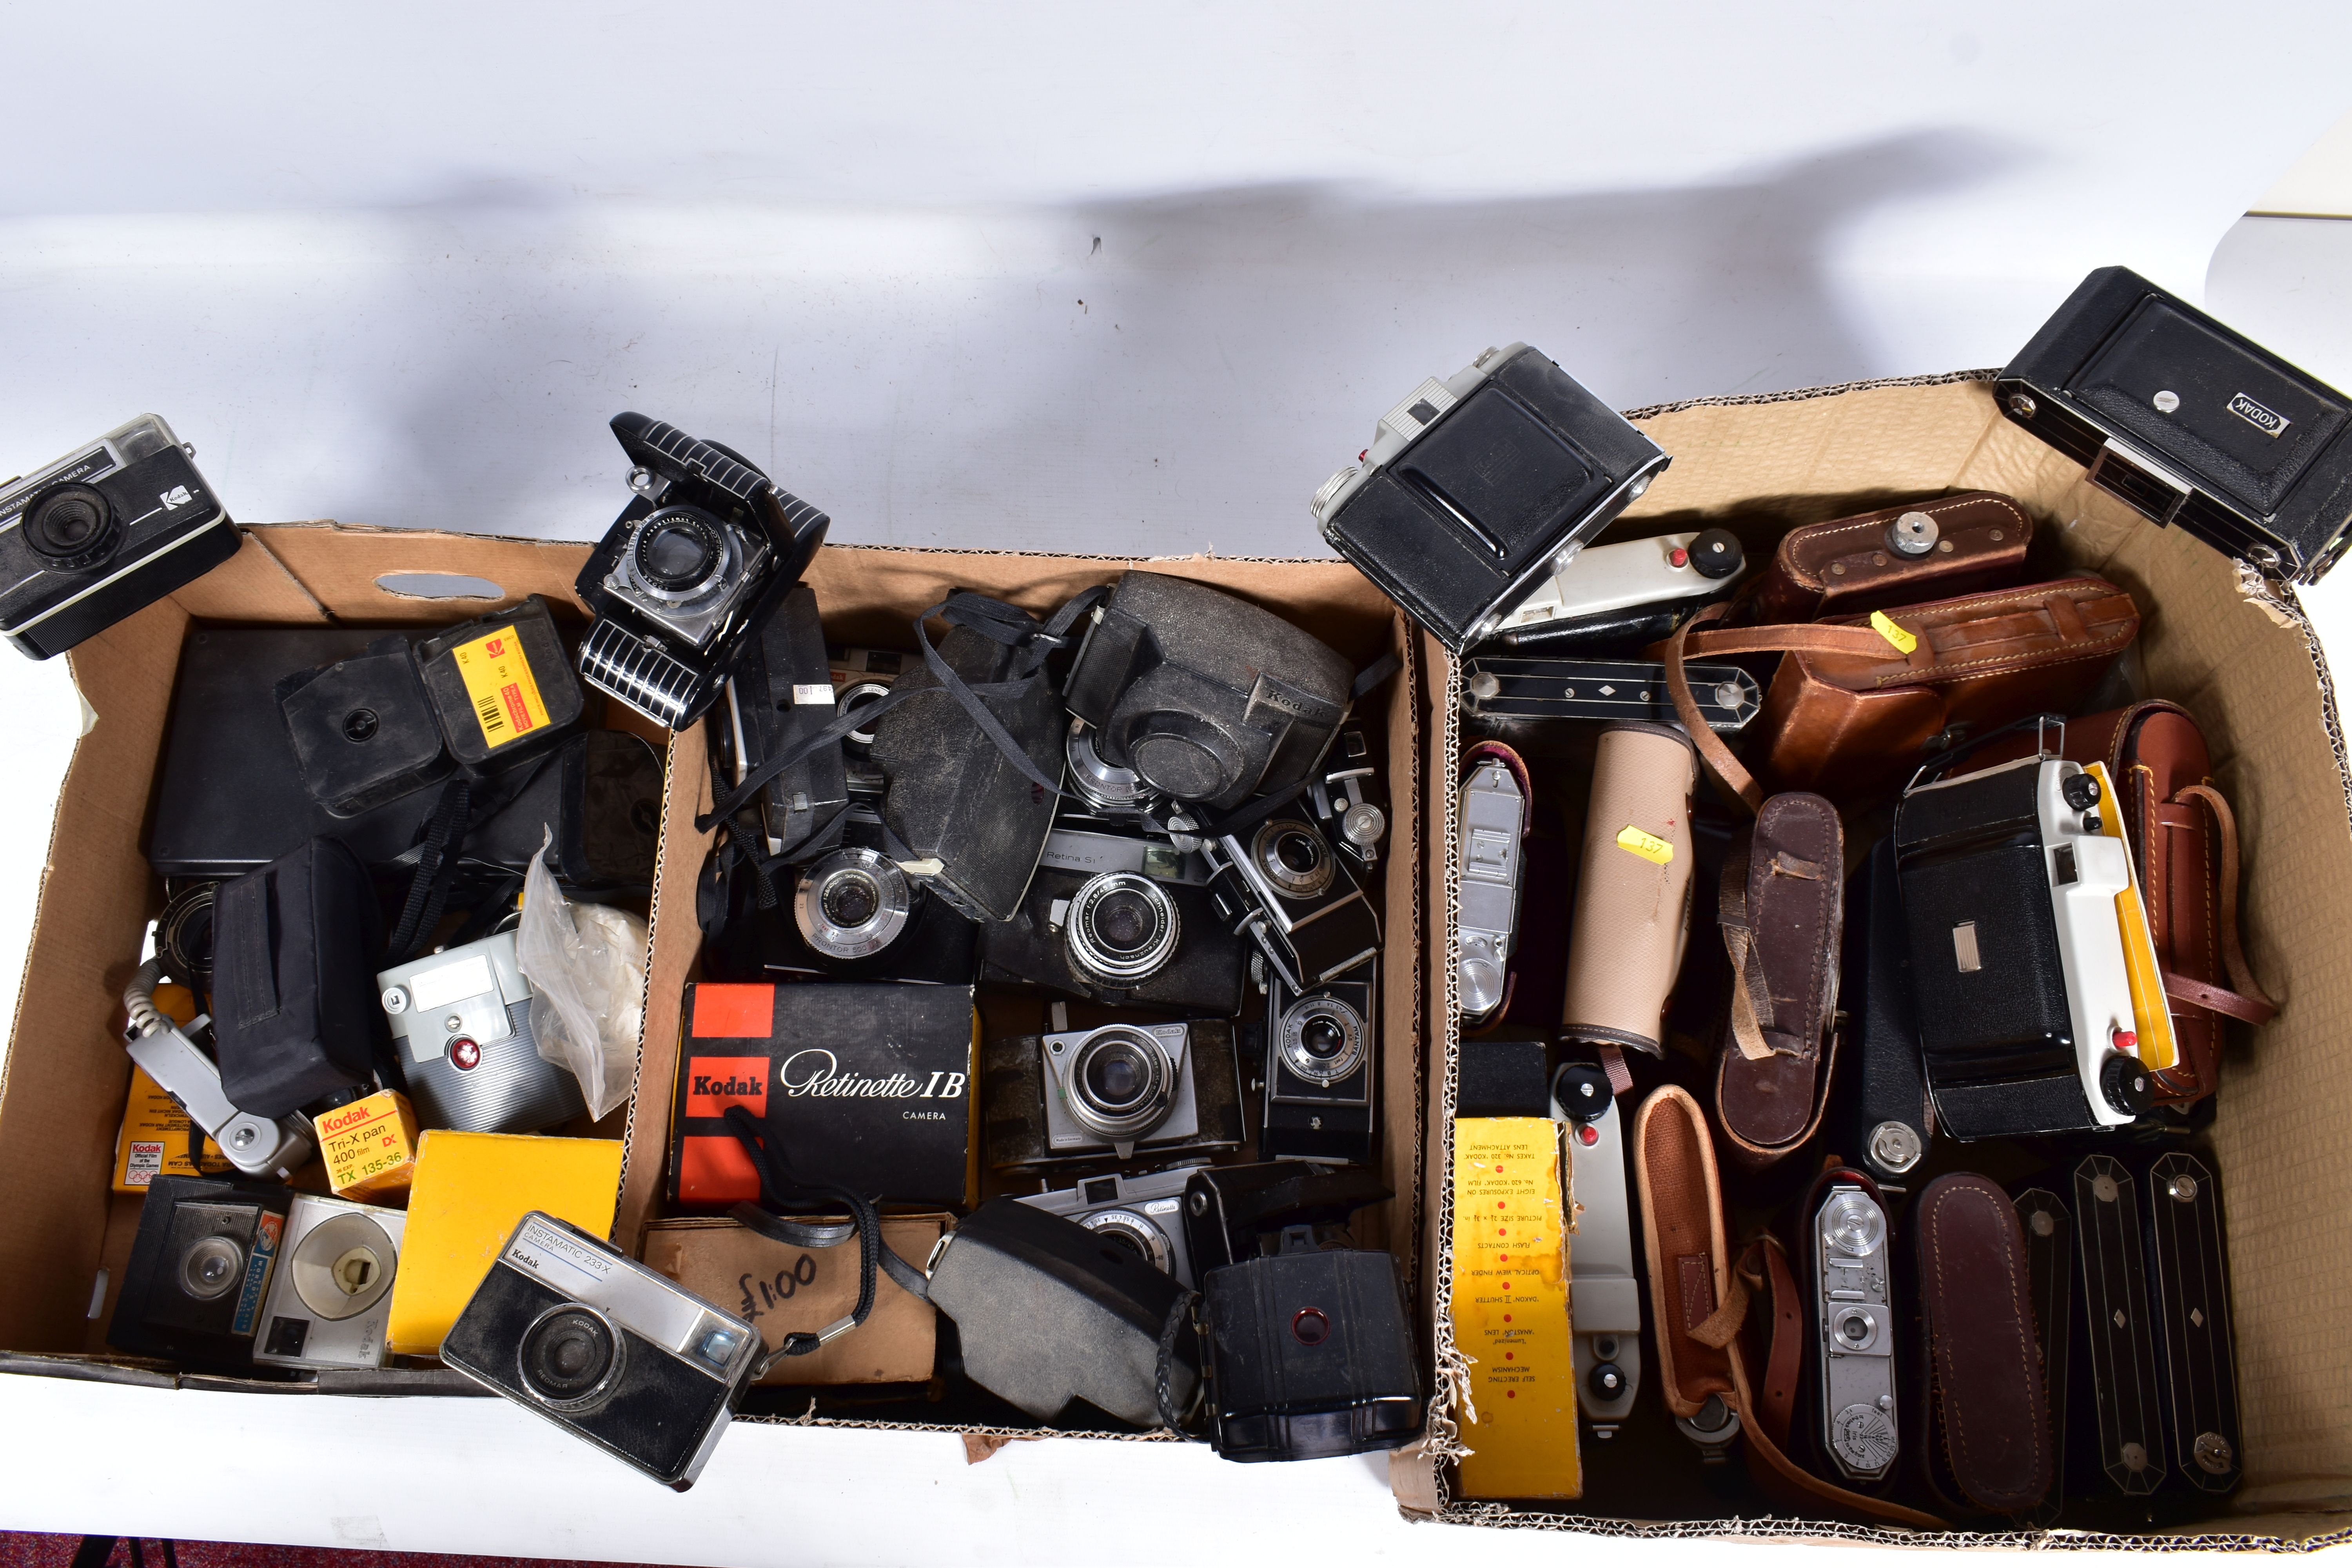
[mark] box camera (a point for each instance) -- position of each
(1348, 798)
(1310, 1348)
(606, 1348)
(199, 1271)
(1091, 1094)
(953, 797)
(1322, 1073)
(782, 693)
(331, 1295)
(1202, 696)
(2024, 1003)
(854, 915)
(1052, 1314)
(1122, 937)
(2185, 421)
(1477, 488)
(462, 1021)
(1280, 881)
(1143, 1214)
(690, 565)
(102, 532)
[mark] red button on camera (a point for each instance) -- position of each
(1588, 1136)
(465, 1054)
(2126, 1042)
(1680, 557)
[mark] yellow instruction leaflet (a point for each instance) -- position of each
(1511, 1310)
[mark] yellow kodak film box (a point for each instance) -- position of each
(1511, 1310)
(369, 1147)
(470, 1191)
(154, 1140)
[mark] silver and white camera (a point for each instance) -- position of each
(1322, 1077)
(608, 1350)
(332, 1294)
(462, 1020)
(1145, 1214)
(1120, 1086)
(1491, 816)
(1853, 1303)
(1604, 1288)
(1281, 881)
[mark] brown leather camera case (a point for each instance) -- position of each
(1987, 1414)
(1846, 567)
(1782, 913)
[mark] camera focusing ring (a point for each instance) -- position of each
(1293, 857)
(72, 527)
(1322, 1040)
(852, 903)
(681, 553)
(1121, 1084)
(1100, 784)
(1122, 928)
(570, 1357)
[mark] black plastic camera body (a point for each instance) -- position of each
(1280, 881)
(200, 1270)
(1204, 696)
(103, 531)
(701, 553)
(1322, 1075)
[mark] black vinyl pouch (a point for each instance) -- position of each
(295, 950)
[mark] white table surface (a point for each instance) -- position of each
(401, 271)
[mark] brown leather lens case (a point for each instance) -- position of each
(1782, 912)
(1987, 1414)
(1853, 565)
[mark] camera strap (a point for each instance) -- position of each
(783, 1187)
(1163, 1371)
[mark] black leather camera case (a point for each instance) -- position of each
(295, 951)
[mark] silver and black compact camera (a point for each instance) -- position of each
(606, 1348)
(1091, 1094)
(1853, 1304)
(104, 531)
(1322, 1075)
(461, 1019)
(854, 915)
(1145, 1214)
(1477, 489)
(692, 563)
(1281, 881)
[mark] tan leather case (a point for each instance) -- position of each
(1632, 914)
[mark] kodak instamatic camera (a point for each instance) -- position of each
(1492, 816)
(102, 532)
(2024, 1004)
(1476, 489)
(332, 1294)
(200, 1270)
(1281, 881)
(462, 1019)
(1853, 1304)
(1322, 1073)
(606, 1348)
(1605, 1292)
(693, 561)
(1144, 1214)
(1607, 579)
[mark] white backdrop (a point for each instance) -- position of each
(1125, 279)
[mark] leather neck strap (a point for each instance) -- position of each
(1725, 768)
(2248, 1001)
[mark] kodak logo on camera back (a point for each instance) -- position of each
(866, 1087)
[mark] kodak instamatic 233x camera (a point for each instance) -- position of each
(462, 1020)
(1477, 488)
(102, 532)
(606, 1348)
(1203, 696)
(689, 567)
(2009, 889)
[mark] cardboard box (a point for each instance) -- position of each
(2240, 653)
(790, 1289)
(471, 1189)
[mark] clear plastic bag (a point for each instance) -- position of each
(586, 965)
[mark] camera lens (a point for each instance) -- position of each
(1131, 1232)
(71, 528)
(1099, 784)
(1122, 928)
(1321, 1039)
(1293, 857)
(681, 550)
(210, 1268)
(569, 1355)
(852, 903)
(1121, 1084)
